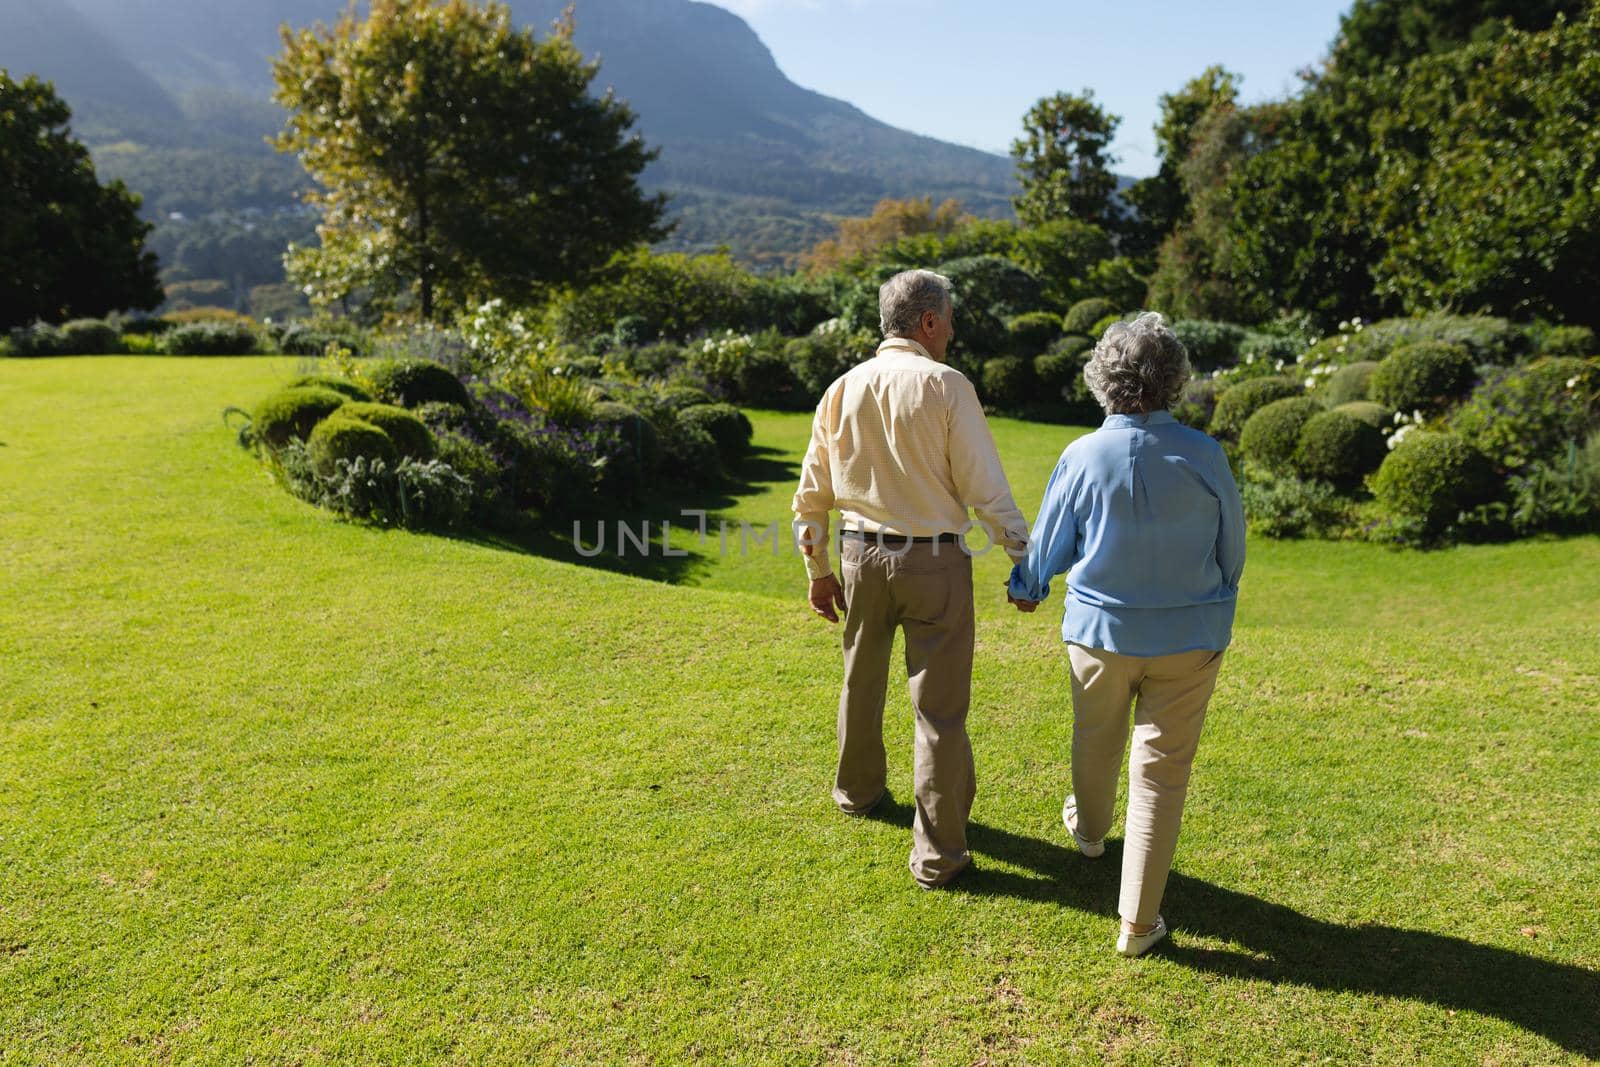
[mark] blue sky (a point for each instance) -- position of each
(967, 70)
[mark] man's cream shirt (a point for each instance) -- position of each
(900, 445)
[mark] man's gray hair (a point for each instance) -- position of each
(1138, 366)
(904, 298)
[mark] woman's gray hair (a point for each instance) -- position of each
(1138, 366)
(904, 298)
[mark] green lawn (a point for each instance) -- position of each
(278, 788)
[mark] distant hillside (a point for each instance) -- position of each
(753, 161)
(49, 38)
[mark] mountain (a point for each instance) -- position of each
(752, 161)
(53, 39)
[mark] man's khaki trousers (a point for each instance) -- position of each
(1168, 695)
(926, 589)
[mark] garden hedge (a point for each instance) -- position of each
(412, 438)
(1239, 402)
(1270, 436)
(338, 437)
(1423, 376)
(410, 382)
(293, 412)
(1337, 447)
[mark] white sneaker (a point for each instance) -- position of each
(1132, 944)
(1069, 818)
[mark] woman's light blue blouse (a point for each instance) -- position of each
(1144, 518)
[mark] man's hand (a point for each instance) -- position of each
(826, 595)
(1024, 606)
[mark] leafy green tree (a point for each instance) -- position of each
(1379, 34)
(1160, 200)
(1197, 274)
(1063, 163)
(1301, 234)
(459, 158)
(1489, 162)
(72, 247)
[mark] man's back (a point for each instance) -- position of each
(900, 445)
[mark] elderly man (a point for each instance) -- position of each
(901, 448)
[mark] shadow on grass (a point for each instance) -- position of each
(558, 538)
(1558, 1001)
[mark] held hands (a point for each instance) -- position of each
(1027, 607)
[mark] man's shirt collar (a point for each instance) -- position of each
(903, 344)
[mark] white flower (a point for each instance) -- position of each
(1572, 382)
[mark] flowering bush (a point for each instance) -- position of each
(1527, 413)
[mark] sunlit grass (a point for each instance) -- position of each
(279, 787)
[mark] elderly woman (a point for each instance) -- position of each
(1144, 518)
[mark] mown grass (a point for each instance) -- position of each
(280, 788)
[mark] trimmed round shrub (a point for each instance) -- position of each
(1338, 448)
(211, 338)
(727, 426)
(1072, 344)
(410, 434)
(1423, 376)
(1210, 344)
(1271, 434)
(90, 337)
(338, 437)
(631, 331)
(678, 397)
(293, 412)
(1099, 329)
(1526, 413)
(1006, 381)
(764, 380)
(1082, 316)
(1239, 402)
(1198, 402)
(1369, 412)
(410, 382)
(1568, 341)
(689, 454)
(328, 381)
(1430, 478)
(1055, 372)
(1347, 384)
(1032, 333)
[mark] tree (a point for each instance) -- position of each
(1196, 274)
(459, 158)
(1160, 200)
(1488, 164)
(1379, 34)
(890, 220)
(1062, 162)
(69, 246)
